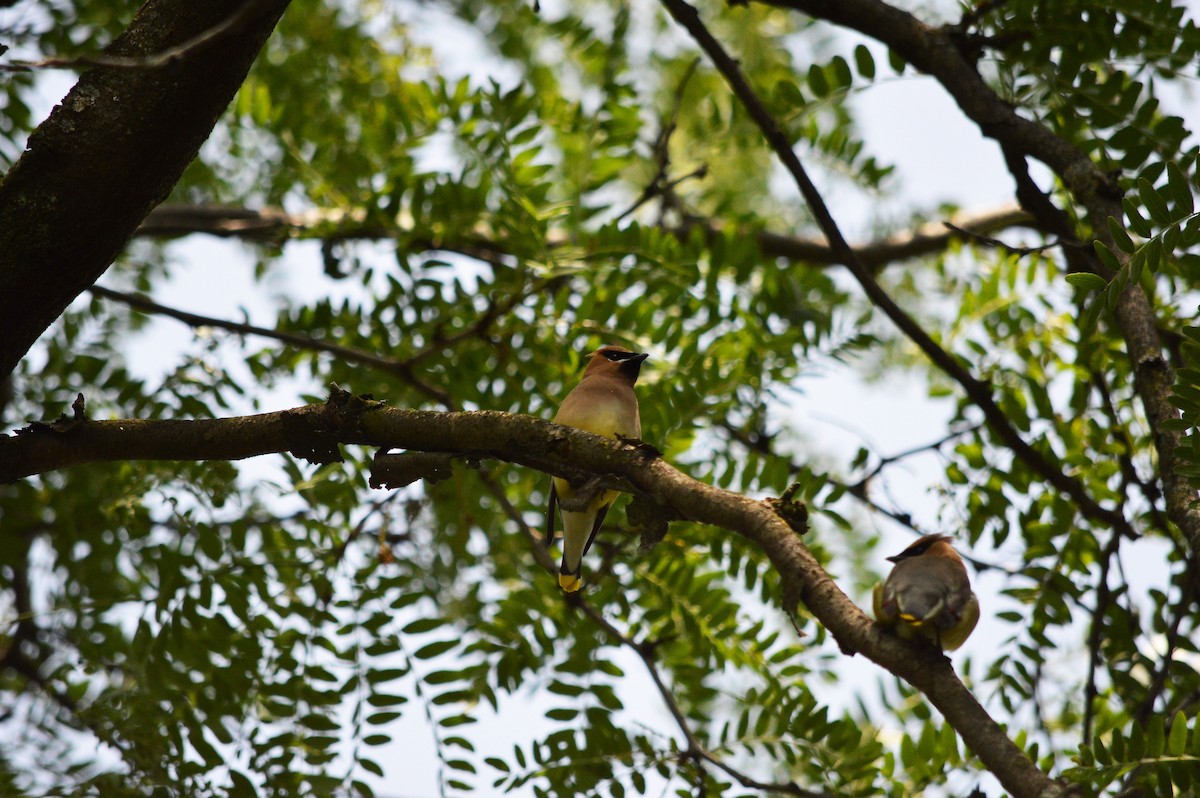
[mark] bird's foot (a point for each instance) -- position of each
(581, 499)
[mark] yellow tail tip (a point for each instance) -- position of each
(569, 582)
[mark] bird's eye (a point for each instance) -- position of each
(615, 356)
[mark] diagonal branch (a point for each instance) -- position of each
(403, 369)
(979, 393)
(316, 432)
(936, 52)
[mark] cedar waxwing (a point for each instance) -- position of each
(602, 403)
(928, 594)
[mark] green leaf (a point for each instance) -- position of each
(1153, 202)
(1181, 190)
(1137, 223)
(318, 722)
(1120, 237)
(789, 93)
(1155, 737)
(842, 76)
(864, 62)
(817, 81)
(437, 648)
(1087, 281)
(1177, 742)
(422, 625)
(1106, 255)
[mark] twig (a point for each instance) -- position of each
(662, 149)
(760, 443)
(1096, 633)
(26, 632)
(1049, 216)
(997, 243)
(171, 55)
(1150, 491)
(1159, 681)
(885, 461)
(695, 748)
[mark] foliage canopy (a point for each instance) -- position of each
(444, 206)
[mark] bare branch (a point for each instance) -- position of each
(1009, 248)
(397, 368)
(658, 184)
(860, 489)
(276, 226)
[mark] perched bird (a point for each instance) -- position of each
(928, 594)
(602, 403)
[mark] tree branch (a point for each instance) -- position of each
(274, 225)
(316, 431)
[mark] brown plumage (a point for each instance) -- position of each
(602, 403)
(928, 594)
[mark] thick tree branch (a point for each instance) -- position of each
(112, 151)
(316, 431)
(276, 226)
(935, 52)
(978, 392)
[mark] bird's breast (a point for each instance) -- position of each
(606, 413)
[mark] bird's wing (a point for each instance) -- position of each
(551, 510)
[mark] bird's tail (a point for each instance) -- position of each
(570, 583)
